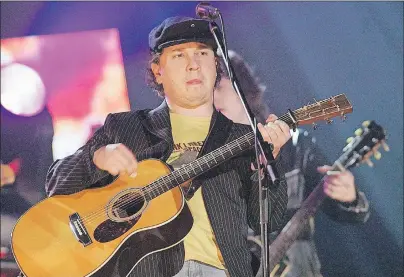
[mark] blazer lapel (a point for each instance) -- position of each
(219, 131)
(157, 123)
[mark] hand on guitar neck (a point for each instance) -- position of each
(338, 185)
(9, 172)
(337, 182)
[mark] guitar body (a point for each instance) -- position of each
(45, 245)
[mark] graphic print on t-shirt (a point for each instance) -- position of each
(184, 153)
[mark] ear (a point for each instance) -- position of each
(156, 72)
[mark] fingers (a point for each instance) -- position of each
(129, 162)
(284, 127)
(118, 159)
(268, 133)
(324, 168)
(124, 165)
(338, 185)
(275, 132)
(339, 193)
(271, 118)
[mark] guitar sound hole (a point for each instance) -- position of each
(126, 205)
(124, 211)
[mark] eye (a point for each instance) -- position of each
(203, 53)
(177, 55)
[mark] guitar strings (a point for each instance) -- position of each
(154, 186)
(157, 184)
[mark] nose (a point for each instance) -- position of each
(193, 63)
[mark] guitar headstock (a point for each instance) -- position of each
(364, 145)
(334, 106)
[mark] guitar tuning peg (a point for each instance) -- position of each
(349, 140)
(358, 132)
(377, 155)
(369, 162)
(385, 146)
(315, 126)
(366, 123)
(329, 121)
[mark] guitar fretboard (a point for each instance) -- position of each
(294, 227)
(204, 163)
(325, 109)
(198, 166)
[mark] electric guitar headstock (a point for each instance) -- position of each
(364, 145)
(334, 106)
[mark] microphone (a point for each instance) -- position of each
(206, 11)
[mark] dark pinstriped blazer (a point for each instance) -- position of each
(230, 197)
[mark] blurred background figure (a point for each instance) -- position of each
(27, 128)
(26, 146)
(300, 159)
(56, 90)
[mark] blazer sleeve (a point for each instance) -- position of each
(355, 212)
(77, 171)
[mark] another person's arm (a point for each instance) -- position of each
(345, 203)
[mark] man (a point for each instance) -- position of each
(184, 70)
(301, 159)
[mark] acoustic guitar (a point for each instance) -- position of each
(84, 233)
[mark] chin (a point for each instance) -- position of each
(195, 103)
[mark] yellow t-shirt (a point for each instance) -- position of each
(189, 134)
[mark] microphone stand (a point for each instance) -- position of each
(264, 159)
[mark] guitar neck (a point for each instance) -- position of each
(294, 227)
(198, 166)
(337, 105)
(204, 163)
(358, 150)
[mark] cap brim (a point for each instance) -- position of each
(210, 42)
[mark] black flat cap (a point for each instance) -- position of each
(179, 29)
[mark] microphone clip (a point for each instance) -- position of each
(206, 11)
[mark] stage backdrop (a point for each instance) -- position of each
(79, 77)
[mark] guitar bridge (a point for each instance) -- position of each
(78, 229)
